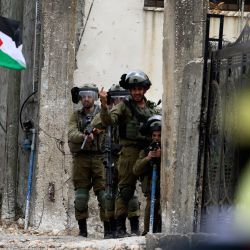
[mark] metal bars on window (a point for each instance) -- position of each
(233, 5)
(154, 3)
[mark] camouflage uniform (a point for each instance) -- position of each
(88, 170)
(133, 205)
(125, 115)
(143, 169)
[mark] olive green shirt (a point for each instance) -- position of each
(141, 166)
(121, 114)
(76, 133)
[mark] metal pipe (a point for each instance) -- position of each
(31, 163)
(152, 198)
(242, 14)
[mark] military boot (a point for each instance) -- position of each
(134, 224)
(107, 230)
(83, 227)
(121, 227)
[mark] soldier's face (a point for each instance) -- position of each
(156, 136)
(137, 93)
(87, 101)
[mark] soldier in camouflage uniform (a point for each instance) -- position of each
(87, 162)
(143, 168)
(130, 115)
(116, 95)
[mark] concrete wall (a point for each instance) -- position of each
(120, 36)
(56, 80)
(9, 118)
(184, 29)
(23, 11)
(30, 109)
(48, 109)
(3, 113)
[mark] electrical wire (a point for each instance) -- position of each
(59, 142)
(21, 110)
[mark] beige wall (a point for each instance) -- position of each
(183, 46)
(120, 36)
(233, 25)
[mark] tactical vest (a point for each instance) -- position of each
(131, 129)
(83, 120)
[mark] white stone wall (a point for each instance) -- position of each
(119, 36)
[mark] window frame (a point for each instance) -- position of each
(153, 3)
(230, 6)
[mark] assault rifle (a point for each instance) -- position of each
(152, 147)
(89, 129)
(109, 171)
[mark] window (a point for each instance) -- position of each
(230, 5)
(154, 3)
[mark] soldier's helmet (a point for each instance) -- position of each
(89, 90)
(116, 93)
(153, 124)
(85, 90)
(135, 78)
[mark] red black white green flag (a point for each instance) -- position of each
(11, 44)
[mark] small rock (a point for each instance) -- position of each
(24, 240)
(11, 230)
(2, 244)
(20, 222)
(135, 247)
(55, 232)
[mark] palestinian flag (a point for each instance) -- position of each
(11, 45)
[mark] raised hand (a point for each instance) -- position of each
(103, 97)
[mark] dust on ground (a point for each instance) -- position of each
(13, 236)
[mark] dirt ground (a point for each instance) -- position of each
(14, 237)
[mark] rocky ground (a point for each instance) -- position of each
(14, 237)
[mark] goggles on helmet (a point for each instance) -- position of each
(84, 94)
(155, 126)
(117, 99)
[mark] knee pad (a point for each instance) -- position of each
(133, 204)
(101, 197)
(126, 194)
(81, 199)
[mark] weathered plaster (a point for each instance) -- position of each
(53, 158)
(120, 36)
(182, 78)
